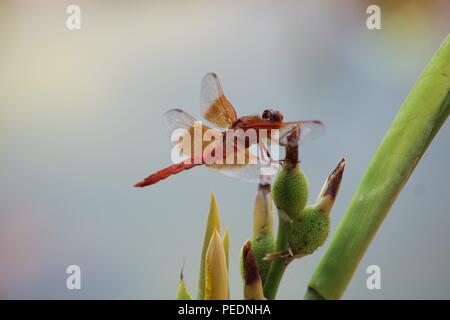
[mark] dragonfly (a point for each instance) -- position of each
(217, 110)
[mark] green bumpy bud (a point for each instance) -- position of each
(263, 245)
(308, 231)
(290, 191)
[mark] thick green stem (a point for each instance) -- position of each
(422, 114)
(277, 266)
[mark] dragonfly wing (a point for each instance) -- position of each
(175, 119)
(214, 106)
(182, 127)
(309, 130)
(253, 168)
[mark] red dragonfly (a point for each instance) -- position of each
(216, 109)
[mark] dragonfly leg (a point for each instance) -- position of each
(265, 150)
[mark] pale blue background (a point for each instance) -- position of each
(80, 123)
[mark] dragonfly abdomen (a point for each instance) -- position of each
(167, 172)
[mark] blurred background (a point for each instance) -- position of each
(80, 122)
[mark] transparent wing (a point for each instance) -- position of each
(175, 119)
(308, 130)
(181, 126)
(214, 106)
(256, 165)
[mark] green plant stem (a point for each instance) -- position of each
(278, 266)
(422, 114)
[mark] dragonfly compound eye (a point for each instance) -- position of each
(267, 114)
(276, 116)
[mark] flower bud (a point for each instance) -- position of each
(290, 190)
(182, 291)
(330, 189)
(263, 210)
(253, 289)
(263, 240)
(310, 229)
(213, 223)
(216, 273)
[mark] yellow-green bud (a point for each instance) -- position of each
(290, 190)
(263, 240)
(308, 231)
(263, 245)
(182, 291)
(263, 210)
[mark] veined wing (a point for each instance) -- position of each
(214, 106)
(255, 165)
(308, 130)
(183, 130)
(279, 131)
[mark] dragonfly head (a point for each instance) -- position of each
(272, 115)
